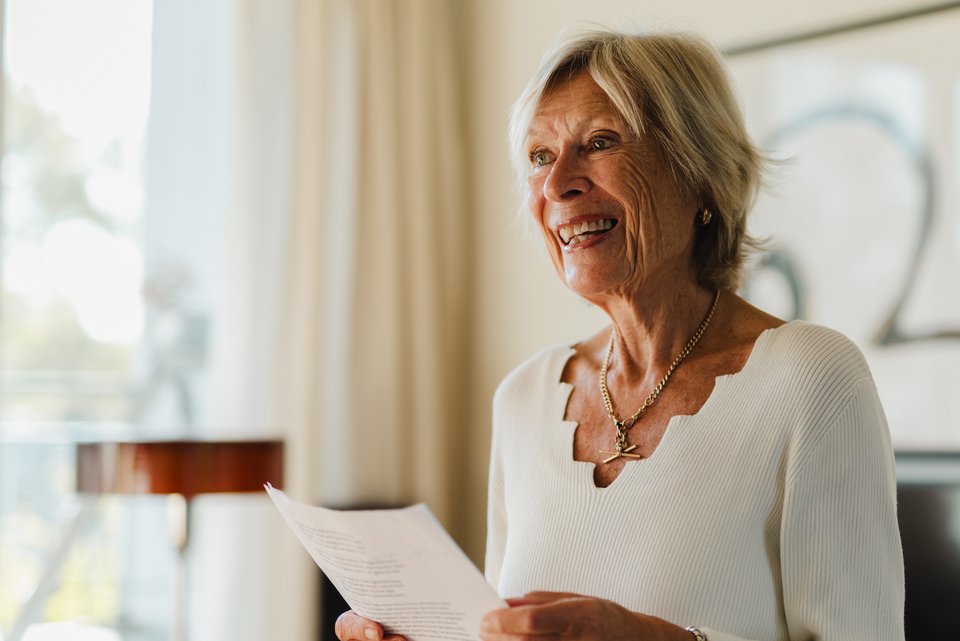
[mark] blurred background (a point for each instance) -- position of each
(296, 220)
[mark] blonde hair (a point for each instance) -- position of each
(673, 87)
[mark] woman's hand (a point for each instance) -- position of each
(353, 627)
(556, 616)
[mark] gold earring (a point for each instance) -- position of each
(706, 216)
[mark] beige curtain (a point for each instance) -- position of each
(374, 372)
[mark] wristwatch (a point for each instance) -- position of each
(697, 634)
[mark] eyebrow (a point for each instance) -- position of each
(591, 117)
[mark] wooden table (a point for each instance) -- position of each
(181, 469)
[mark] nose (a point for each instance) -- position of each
(567, 178)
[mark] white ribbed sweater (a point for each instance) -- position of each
(769, 515)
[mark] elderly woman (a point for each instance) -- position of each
(699, 469)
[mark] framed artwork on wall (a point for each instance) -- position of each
(862, 203)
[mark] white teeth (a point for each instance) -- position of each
(570, 233)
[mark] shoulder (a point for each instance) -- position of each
(814, 355)
(823, 384)
(800, 350)
(533, 375)
(525, 397)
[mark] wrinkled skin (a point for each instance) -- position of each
(351, 626)
(585, 164)
(545, 616)
(561, 616)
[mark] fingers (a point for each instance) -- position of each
(497, 629)
(351, 626)
(531, 598)
(489, 636)
(532, 619)
(544, 614)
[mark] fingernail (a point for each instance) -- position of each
(371, 634)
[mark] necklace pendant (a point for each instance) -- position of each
(623, 452)
(621, 426)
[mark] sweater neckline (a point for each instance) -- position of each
(586, 468)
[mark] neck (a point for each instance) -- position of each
(651, 329)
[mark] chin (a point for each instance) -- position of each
(590, 281)
(588, 288)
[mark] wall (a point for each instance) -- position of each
(520, 306)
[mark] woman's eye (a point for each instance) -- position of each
(599, 144)
(539, 158)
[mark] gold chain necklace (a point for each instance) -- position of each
(623, 450)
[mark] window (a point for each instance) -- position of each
(76, 103)
(143, 273)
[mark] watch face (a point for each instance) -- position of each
(862, 206)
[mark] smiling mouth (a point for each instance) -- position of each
(580, 232)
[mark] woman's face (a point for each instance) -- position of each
(612, 216)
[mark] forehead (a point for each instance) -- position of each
(572, 103)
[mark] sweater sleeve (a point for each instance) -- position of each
(496, 510)
(840, 555)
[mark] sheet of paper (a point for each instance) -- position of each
(398, 567)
